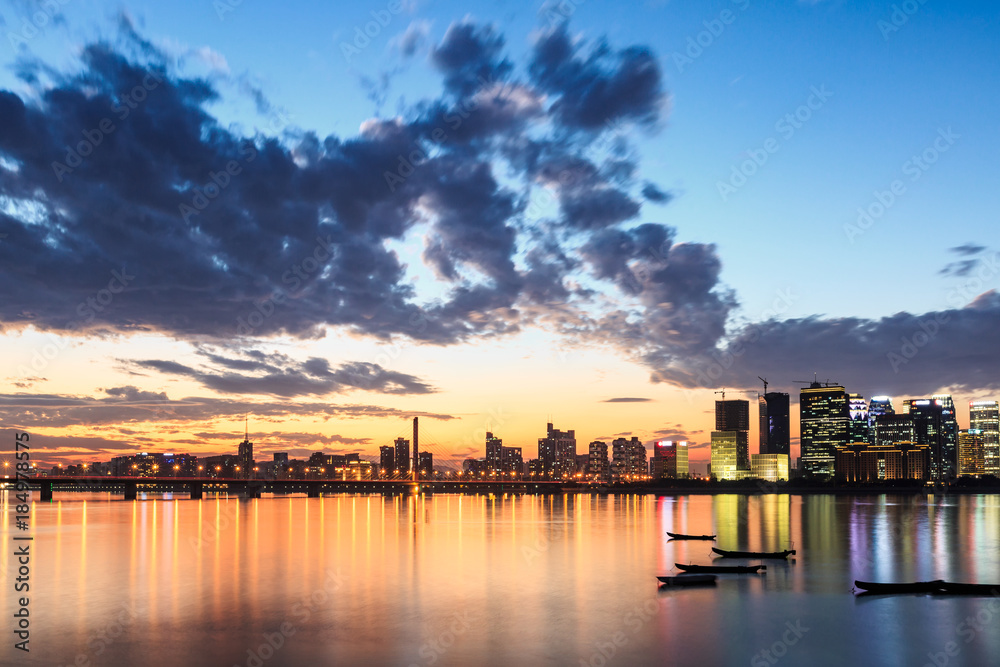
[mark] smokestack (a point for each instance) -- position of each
(416, 447)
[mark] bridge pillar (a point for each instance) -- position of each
(197, 488)
(131, 490)
(313, 491)
(46, 490)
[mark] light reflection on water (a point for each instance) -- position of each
(474, 580)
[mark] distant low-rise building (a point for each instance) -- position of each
(769, 467)
(863, 463)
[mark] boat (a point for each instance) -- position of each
(721, 569)
(952, 588)
(910, 587)
(688, 580)
(754, 554)
(678, 536)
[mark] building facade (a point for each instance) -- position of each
(971, 453)
(824, 417)
(725, 446)
(985, 416)
(734, 416)
(775, 429)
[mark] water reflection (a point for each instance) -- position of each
(496, 580)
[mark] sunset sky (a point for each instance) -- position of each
(334, 217)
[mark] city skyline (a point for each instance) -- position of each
(356, 240)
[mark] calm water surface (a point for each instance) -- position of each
(516, 580)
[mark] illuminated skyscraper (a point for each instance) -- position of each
(598, 466)
(387, 460)
(858, 426)
(245, 455)
(494, 454)
(880, 405)
(971, 453)
(985, 416)
(724, 455)
(775, 432)
(557, 453)
(928, 428)
(402, 455)
(628, 459)
(893, 429)
(734, 416)
(670, 459)
(949, 433)
(824, 417)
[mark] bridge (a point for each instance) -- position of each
(313, 488)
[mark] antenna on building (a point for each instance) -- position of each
(246, 432)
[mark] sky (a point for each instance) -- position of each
(333, 218)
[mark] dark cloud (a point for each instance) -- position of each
(413, 38)
(654, 194)
(32, 411)
(279, 375)
(595, 89)
(968, 249)
(470, 55)
(627, 400)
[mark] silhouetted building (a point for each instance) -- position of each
(245, 455)
(386, 460)
(734, 415)
(971, 453)
(599, 467)
(425, 465)
(949, 433)
(221, 467)
(823, 419)
(985, 416)
(928, 427)
(557, 453)
(775, 429)
(861, 463)
(494, 454)
(474, 467)
(512, 463)
(628, 460)
(402, 455)
(670, 460)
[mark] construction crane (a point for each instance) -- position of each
(824, 383)
(764, 381)
(723, 392)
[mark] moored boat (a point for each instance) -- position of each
(903, 587)
(688, 580)
(754, 554)
(679, 536)
(953, 588)
(721, 569)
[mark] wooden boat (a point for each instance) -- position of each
(911, 587)
(754, 554)
(721, 569)
(688, 580)
(678, 536)
(952, 588)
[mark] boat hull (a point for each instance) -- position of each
(678, 536)
(754, 554)
(908, 587)
(721, 569)
(688, 580)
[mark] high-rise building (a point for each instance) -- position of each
(734, 415)
(494, 454)
(245, 455)
(386, 460)
(425, 465)
(724, 455)
(928, 429)
(628, 460)
(857, 426)
(892, 429)
(598, 466)
(511, 461)
(670, 460)
(775, 431)
(985, 416)
(949, 433)
(824, 417)
(402, 455)
(557, 453)
(971, 452)
(879, 405)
